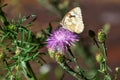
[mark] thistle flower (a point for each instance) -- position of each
(61, 39)
(101, 36)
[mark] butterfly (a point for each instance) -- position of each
(73, 21)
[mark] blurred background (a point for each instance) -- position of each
(95, 13)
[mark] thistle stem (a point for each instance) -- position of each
(70, 71)
(96, 42)
(105, 67)
(116, 73)
(80, 73)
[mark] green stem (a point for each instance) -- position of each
(116, 73)
(70, 70)
(27, 70)
(96, 42)
(105, 56)
(104, 50)
(104, 63)
(80, 72)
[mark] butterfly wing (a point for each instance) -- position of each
(73, 21)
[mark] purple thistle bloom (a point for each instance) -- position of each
(61, 39)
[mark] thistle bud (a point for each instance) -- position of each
(51, 53)
(99, 57)
(11, 27)
(64, 5)
(117, 69)
(101, 36)
(59, 57)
